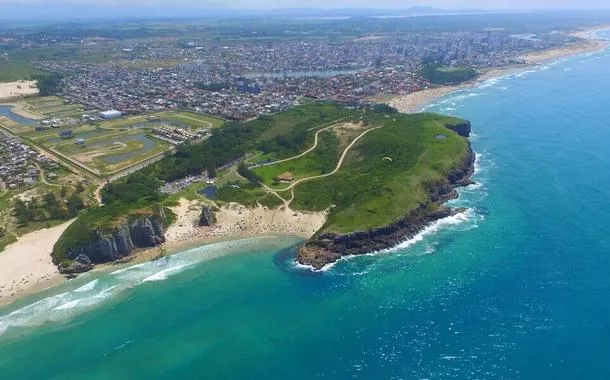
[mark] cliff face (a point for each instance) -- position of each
(330, 247)
(207, 217)
(142, 233)
(462, 129)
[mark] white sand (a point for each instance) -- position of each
(26, 266)
(416, 101)
(20, 88)
(235, 220)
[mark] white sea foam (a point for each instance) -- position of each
(87, 287)
(66, 305)
(164, 274)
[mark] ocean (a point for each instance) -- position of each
(515, 288)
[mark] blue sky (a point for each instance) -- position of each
(254, 4)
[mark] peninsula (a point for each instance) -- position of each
(376, 176)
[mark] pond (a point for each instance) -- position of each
(149, 144)
(209, 192)
(6, 111)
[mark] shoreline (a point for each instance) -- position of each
(26, 266)
(417, 101)
(329, 248)
(235, 222)
(19, 110)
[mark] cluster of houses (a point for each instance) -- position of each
(17, 168)
(177, 135)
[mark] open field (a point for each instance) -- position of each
(105, 151)
(16, 69)
(321, 160)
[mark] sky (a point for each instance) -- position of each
(268, 4)
(80, 10)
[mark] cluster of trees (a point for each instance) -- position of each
(48, 84)
(440, 75)
(244, 171)
(285, 145)
(49, 208)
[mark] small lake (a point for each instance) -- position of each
(148, 143)
(209, 192)
(6, 112)
(306, 74)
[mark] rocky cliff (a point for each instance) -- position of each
(144, 232)
(462, 129)
(328, 248)
(207, 217)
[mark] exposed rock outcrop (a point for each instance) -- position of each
(462, 129)
(328, 248)
(207, 218)
(145, 232)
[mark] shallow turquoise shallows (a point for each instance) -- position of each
(516, 288)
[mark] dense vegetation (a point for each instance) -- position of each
(448, 75)
(48, 209)
(48, 84)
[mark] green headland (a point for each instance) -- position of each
(367, 168)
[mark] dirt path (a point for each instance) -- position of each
(337, 168)
(315, 145)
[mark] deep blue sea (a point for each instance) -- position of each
(517, 288)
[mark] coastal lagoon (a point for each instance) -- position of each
(6, 112)
(516, 287)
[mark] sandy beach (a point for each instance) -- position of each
(26, 266)
(235, 220)
(10, 90)
(416, 101)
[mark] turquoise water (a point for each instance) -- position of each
(6, 112)
(517, 288)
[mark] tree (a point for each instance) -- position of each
(79, 187)
(75, 204)
(63, 192)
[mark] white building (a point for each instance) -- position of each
(111, 114)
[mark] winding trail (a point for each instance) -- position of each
(337, 168)
(315, 145)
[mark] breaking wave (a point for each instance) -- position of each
(64, 306)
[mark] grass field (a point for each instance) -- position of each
(386, 173)
(12, 70)
(321, 160)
